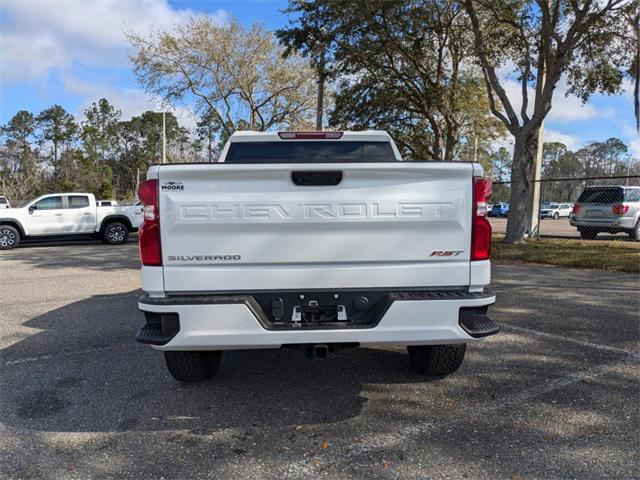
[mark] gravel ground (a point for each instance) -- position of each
(554, 395)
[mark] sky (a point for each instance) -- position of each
(73, 52)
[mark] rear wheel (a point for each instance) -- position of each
(192, 366)
(588, 233)
(115, 233)
(9, 237)
(437, 360)
(635, 233)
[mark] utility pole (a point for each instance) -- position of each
(475, 149)
(537, 169)
(321, 82)
(164, 138)
(537, 185)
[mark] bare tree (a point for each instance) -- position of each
(17, 183)
(237, 75)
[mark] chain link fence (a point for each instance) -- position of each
(587, 207)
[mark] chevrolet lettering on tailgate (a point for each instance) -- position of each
(229, 212)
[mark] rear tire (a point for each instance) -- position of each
(9, 237)
(440, 360)
(192, 366)
(588, 233)
(115, 233)
(635, 233)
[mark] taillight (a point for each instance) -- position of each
(149, 236)
(480, 226)
(620, 208)
(576, 208)
(310, 135)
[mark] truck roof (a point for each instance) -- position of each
(63, 193)
(362, 136)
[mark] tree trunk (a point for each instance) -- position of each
(320, 104)
(449, 145)
(55, 160)
(524, 151)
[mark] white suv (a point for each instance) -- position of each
(4, 202)
(556, 210)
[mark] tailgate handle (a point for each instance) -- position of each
(316, 179)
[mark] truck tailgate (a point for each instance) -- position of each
(244, 228)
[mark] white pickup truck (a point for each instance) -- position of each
(67, 214)
(314, 240)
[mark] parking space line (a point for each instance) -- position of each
(301, 468)
(519, 397)
(575, 341)
(600, 288)
(68, 354)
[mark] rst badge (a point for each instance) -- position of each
(445, 253)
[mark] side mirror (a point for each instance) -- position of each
(32, 208)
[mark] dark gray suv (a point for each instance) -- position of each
(607, 209)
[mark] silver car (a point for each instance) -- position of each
(607, 209)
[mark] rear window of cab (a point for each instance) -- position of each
(323, 151)
(602, 195)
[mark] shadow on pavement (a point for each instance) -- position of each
(88, 254)
(120, 383)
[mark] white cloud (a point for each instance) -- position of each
(567, 109)
(632, 139)
(571, 141)
(27, 59)
(629, 130)
(627, 88)
(130, 101)
(506, 142)
(39, 36)
(564, 108)
(634, 148)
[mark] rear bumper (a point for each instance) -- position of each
(236, 322)
(606, 223)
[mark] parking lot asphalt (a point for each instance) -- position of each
(554, 395)
(555, 228)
